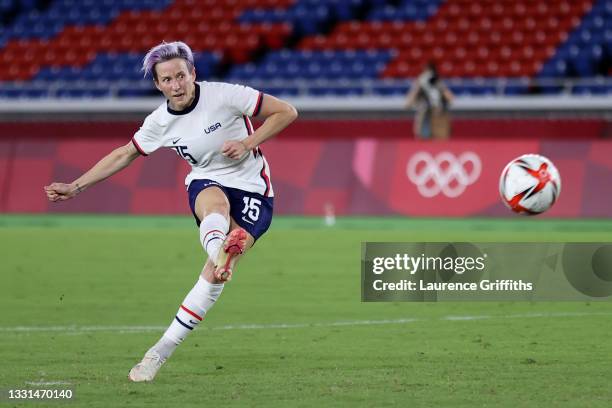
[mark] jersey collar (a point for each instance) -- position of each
(190, 107)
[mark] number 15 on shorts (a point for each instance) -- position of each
(251, 208)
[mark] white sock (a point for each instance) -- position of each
(164, 347)
(197, 303)
(213, 229)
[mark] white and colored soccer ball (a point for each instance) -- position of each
(530, 184)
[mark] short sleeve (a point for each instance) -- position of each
(243, 100)
(149, 137)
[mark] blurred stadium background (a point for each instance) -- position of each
(530, 76)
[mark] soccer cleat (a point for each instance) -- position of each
(147, 368)
(234, 244)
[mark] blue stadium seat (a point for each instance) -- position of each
(549, 89)
(555, 68)
(321, 65)
(335, 91)
(407, 10)
(35, 93)
(84, 92)
(24, 92)
(473, 88)
(243, 72)
(206, 64)
(597, 87)
(586, 53)
(70, 12)
(7, 7)
(282, 91)
(385, 88)
(516, 89)
(137, 92)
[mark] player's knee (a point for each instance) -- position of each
(210, 201)
(216, 208)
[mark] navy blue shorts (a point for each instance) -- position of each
(251, 211)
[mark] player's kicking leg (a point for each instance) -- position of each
(225, 250)
(198, 302)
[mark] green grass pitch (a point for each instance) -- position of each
(83, 297)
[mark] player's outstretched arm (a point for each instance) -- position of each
(448, 94)
(115, 161)
(412, 95)
(277, 113)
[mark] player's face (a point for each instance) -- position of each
(176, 82)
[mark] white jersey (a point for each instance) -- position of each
(218, 113)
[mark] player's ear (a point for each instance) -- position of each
(156, 82)
(155, 78)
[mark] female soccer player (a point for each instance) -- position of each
(229, 189)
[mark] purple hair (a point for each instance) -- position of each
(164, 52)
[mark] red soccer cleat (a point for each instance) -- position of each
(234, 244)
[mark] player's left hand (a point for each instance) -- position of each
(233, 149)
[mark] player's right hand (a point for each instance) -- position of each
(60, 191)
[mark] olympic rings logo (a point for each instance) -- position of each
(445, 173)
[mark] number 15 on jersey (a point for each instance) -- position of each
(251, 208)
(182, 151)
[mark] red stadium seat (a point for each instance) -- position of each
(485, 38)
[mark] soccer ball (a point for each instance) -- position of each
(529, 184)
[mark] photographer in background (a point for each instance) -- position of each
(431, 99)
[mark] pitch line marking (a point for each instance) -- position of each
(77, 330)
(48, 382)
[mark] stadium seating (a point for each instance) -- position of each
(92, 48)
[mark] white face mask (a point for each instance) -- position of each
(432, 93)
(425, 77)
